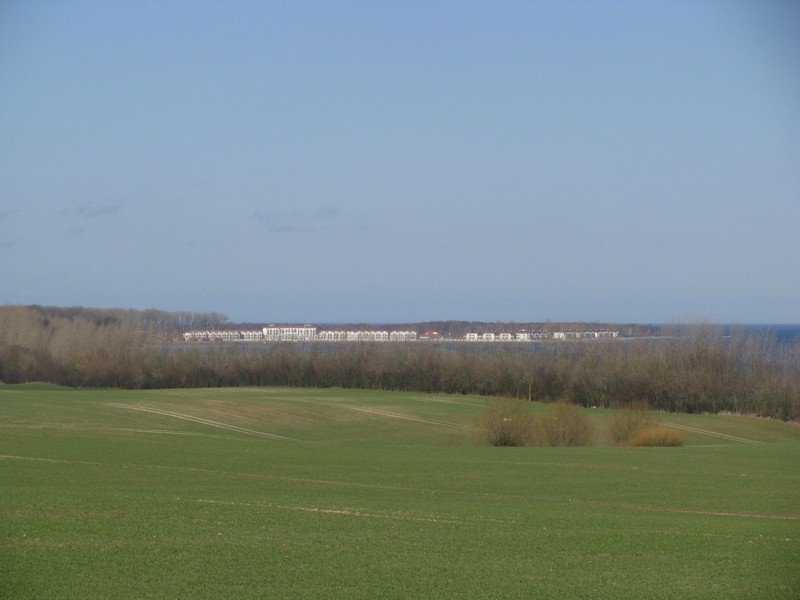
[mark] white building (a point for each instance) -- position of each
(332, 336)
(402, 336)
(471, 337)
(222, 336)
(487, 337)
(523, 337)
(504, 337)
(372, 336)
(273, 333)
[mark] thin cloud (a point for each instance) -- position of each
(90, 210)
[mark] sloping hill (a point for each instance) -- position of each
(333, 493)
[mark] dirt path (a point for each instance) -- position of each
(349, 512)
(450, 519)
(712, 433)
(52, 460)
(383, 413)
(113, 430)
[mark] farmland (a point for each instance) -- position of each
(289, 492)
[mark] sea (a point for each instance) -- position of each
(780, 333)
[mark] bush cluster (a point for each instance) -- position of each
(625, 423)
(635, 426)
(506, 422)
(564, 425)
(510, 422)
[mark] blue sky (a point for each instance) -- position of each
(398, 161)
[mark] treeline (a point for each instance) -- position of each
(151, 318)
(697, 370)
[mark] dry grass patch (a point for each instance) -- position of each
(658, 435)
(635, 427)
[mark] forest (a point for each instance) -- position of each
(695, 369)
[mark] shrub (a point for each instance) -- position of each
(626, 423)
(564, 425)
(658, 435)
(506, 422)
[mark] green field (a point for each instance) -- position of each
(296, 493)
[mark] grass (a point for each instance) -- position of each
(378, 494)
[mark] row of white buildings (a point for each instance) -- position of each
(305, 333)
(309, 333)
(367, 336)
(223, 335)
(538, 335)
(503, 337)
(584, 335)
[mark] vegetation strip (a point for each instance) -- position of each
(205, 422)
(697, 369)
